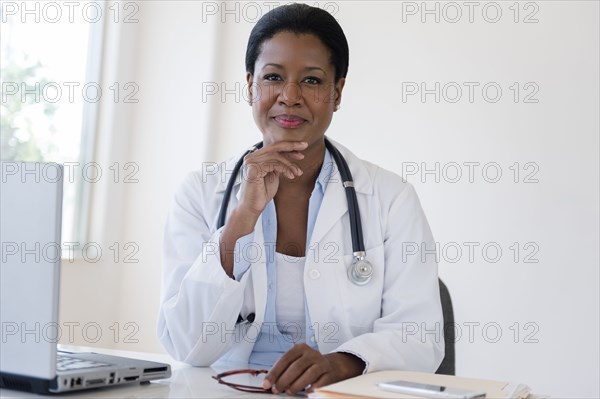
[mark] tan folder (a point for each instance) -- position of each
(366, 386)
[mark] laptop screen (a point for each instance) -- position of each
(30, 211)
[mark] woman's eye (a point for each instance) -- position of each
(272, 77)
(312, 80)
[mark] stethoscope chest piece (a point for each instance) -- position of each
(360, 271)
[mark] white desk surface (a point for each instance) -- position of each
(186, 382)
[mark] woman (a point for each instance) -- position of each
(271, 286)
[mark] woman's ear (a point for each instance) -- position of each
(339, 87)
(249, 81)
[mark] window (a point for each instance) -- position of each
(50, 93)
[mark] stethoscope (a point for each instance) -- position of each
(361, 270)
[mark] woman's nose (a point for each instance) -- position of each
(290, 95)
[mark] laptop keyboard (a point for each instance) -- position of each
(67, 363)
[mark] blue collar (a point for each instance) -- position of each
(326, 172)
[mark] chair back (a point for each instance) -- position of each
(448, 363)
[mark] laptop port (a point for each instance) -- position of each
(96, 381)
(132, 378)
(76, 382)
(155, 370)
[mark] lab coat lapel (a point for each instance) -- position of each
(224, 169)
(259, 267)
(335, 203)
(259, 275)
(333, 207)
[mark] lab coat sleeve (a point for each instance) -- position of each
(408, 335)
(199, 303)
(241, 263)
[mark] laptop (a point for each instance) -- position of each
(30, 218)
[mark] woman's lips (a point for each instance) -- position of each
(289, 121)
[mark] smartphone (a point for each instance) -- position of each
(429, 390)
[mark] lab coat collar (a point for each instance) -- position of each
(362, 180)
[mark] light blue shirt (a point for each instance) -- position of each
(271, 342)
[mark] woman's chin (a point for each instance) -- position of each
(276, 137)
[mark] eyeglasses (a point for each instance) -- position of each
(242, 387)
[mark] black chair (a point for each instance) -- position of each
(448, 363)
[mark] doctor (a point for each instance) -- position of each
(272, 286)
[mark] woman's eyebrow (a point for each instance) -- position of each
(312, 68)
(315, 68)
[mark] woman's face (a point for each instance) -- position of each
(293, 91)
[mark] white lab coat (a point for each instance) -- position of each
(393, 322)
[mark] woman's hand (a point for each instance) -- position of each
(260, 180)
(261, 172)
(302, 366)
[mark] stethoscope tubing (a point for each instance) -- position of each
(353, 209)
(230, 183)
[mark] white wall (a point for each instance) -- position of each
(173, 54)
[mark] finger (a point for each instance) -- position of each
(322, 381)
(289, 170)
(281, 364)
(262, 165)
(285, 149)
(297, 360)
(310, 376)
(283, 157)
(295, 169)
(294, 155)
(256, 171)
(264, 168)
(295, 374)
(284, 146)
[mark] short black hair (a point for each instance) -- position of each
(300, 19)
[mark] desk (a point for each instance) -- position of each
(186, 382)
